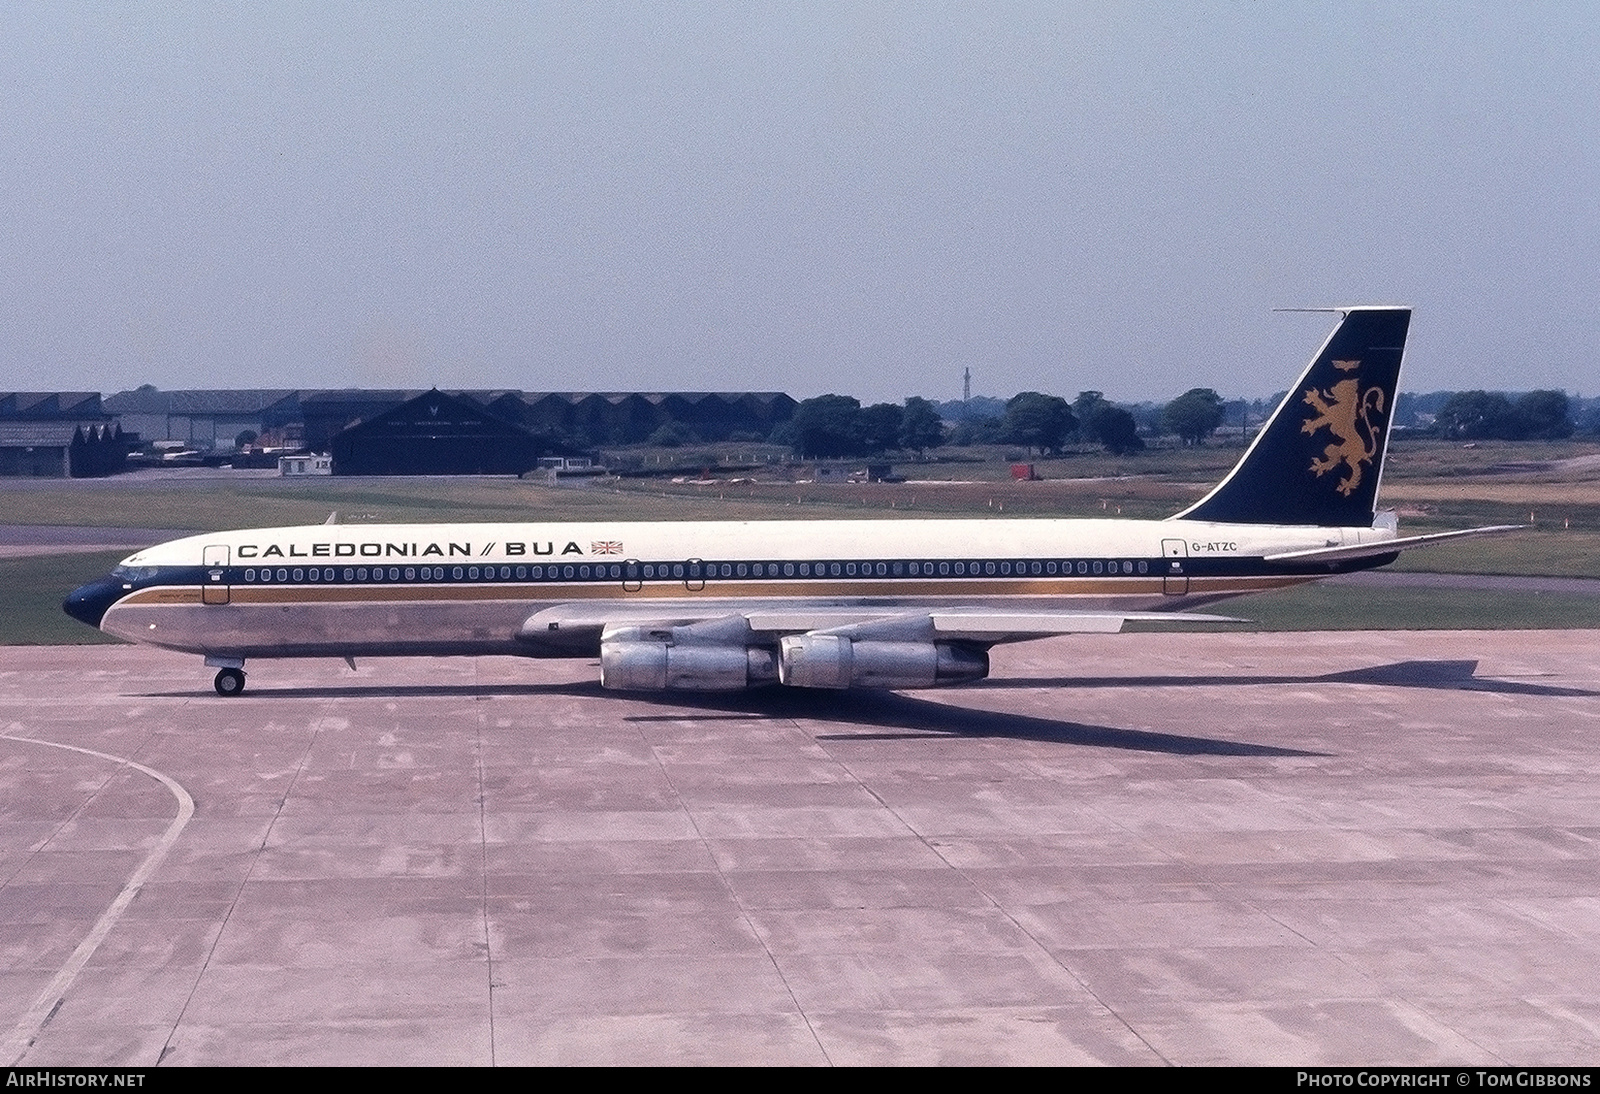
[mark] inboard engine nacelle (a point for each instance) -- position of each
(836, 661)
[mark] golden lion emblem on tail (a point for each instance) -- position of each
(1349, 413)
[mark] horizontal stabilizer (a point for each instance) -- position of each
(1385, 546)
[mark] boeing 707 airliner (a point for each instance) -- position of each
(719, 606)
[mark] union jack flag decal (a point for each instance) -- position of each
(606, 547)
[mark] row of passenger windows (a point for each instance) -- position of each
(681, 571)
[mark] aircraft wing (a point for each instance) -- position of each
(1386, 546)
(987, 626)
(569, 625)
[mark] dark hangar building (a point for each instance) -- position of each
(59, 434)
(439, 434)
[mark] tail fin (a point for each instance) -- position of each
(1319, 458)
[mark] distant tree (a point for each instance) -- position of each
(1475, 415)
(1587, 414)
(976, 431)
(1544, 415)
(920, 427)
(974, 409)
(1115, 428)
(1194, 415)
(785, 434)
(880, 428)
(246, 436)
(1038, 421)
(1084, 408)
(673, 435)
(827, 426)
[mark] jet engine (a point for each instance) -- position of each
(714, 656)
(837, 661)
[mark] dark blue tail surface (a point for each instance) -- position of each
(1319, 458)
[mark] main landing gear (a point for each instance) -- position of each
(230, 674)
(229, 682)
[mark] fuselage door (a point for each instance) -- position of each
(214, 588)
(1174, 579)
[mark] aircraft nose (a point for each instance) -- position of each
(89, 603)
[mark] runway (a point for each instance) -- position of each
(1338, 848)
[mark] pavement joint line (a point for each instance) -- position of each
(727, 885)
(27, 1030)
(995, 903)
(483, 862)
(255, 859)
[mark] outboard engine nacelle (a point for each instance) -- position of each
(699, 657)
(836, 661)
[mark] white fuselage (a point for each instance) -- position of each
(348, 590)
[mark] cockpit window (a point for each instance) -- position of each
(134, 574)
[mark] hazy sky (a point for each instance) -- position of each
(862, 198)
